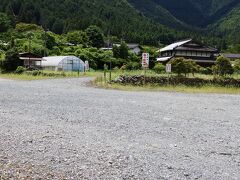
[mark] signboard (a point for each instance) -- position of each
(168, 68)
(145, 60)
(86, 66)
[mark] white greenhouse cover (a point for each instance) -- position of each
(53, 61)
(174, 45)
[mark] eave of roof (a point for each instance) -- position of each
(163, 59)
(175, 45)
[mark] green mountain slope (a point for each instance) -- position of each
(229, 25)
(143, 21)
(157, 12)
(116, 16)
(197, 13)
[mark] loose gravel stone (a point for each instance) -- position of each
(65, 129)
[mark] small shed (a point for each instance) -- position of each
(31, 60)
(62, 63)
(135, 48)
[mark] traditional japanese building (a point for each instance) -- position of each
(188, 49)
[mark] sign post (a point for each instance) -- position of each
(169, 68)
(86, 67)
(145, 64)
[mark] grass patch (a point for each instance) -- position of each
(22, 77)
(54, 75)
(184, 89)
(100, 82)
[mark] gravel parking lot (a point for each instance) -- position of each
(63, 129)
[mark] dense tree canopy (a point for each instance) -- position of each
(95, 36)
(223, 66)
(5, 22)
(11, 61)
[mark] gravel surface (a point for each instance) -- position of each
(63, 129)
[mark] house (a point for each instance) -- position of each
(62, 63)
(30, 60)
(189, 49)
(133, 47)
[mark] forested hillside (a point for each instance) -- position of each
(192, 12)
(116, 16)
(229, 27)
(144, 21)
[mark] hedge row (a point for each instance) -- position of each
(49, 74)
(174, 81)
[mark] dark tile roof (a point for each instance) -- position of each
(204, 48)
(232, 56)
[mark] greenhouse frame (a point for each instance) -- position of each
(62, 63)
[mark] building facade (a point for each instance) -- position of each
(133, 48)
(30, 60)
(188, 49)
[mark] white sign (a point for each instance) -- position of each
(86, 66)
(145, 60)
(168, 68)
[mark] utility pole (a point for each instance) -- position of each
(110, 67)
(45, 42)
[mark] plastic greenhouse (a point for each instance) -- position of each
(62, 63)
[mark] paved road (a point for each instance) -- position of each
(62, 128)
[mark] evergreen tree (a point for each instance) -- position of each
(223, 66)
(123, 50)
(95, 36)
(77, 37)
(11, 61)
(5, 22)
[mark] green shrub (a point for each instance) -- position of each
(20, 70)
(175, 81)
(236, 66)
(124, 67)
(36, 73)
(183, 66)
(116, 68)
(159, 68)
(11, 61)
(223, 67)
(133, 66)
(206, 71)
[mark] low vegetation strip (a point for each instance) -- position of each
(140, 80)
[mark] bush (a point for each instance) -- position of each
(206, 71)
(23, 27)
(236, 66)
(48, 74)
(223, 67)
(124, 67)
(133, 66)
(183, 66)
(193, 67)
(159, 68)
(20, 70)
(116, 68)
(11, 61)
(175, 81)
(36, 73)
